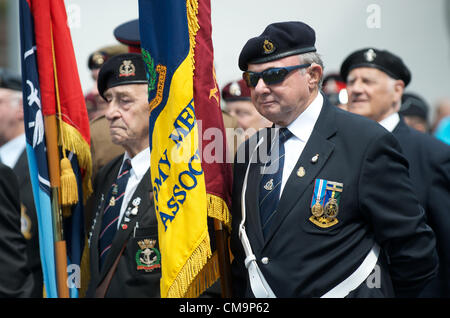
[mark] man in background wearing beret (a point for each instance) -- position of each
(375, 83)
(14, 155)
(340, 206)
(414, 111)
(124, 249)
(236, 95)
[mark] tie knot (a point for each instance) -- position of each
(126, 166)
(284, 134)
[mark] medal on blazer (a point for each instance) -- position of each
(318, 197)
(112, 201)
(325, 203)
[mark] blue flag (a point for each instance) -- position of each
(36, 148)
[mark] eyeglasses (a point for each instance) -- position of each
(270, 76)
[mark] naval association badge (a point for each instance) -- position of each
(325, 203)
(148, 258)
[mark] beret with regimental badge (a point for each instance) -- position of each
(123, 69)
(99, 57)
(383, 60)
(236, 90)
(414, 105)
(278, 40)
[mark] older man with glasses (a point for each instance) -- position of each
(331, 211)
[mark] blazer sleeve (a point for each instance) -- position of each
(390, 206)
(15, 277)
(438, 206)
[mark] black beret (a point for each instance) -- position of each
(10, 80)
(385, 61)
(414, 105)
(128, 33)
(99, 57)
(123, 69)
(278, 40)
(236, 90)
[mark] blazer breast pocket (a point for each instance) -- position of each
(144, 249)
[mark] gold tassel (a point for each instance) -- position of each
(218, 209)
(69, 187)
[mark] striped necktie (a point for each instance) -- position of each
(269, 189)
(111, 212)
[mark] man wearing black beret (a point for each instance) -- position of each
(375, 83)
(124, 249)
(328, 209)
(414, 111)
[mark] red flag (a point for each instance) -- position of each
(218, 173)
(61, 91)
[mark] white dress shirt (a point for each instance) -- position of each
(11, 151)
(301, 129)
(390, 122)
(139, 166)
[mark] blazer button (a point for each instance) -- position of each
(265, 260)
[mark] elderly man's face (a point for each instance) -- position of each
(372, 93)
(128, 113)
(281, 103)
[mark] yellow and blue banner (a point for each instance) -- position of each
(183, 198)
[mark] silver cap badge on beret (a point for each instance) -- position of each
(370, 55)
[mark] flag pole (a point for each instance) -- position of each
(54, 175)
(51, 128)
(223, 257)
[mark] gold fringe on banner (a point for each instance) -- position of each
(187, 276)
(218, 209)
(192, 11)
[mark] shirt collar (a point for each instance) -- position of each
(303, 125)
(11, 151)
(139, 163)
(390, 122)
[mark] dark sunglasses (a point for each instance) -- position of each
(270, 76)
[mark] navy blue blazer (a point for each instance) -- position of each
(377, 205)
(132, 278)
(429, 168)
(16, 280)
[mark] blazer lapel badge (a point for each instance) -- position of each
(325, 203)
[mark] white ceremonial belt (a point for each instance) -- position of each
(258, 283)
(357, 277)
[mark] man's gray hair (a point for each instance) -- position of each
(312, 58)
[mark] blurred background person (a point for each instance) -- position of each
(414, 110)
(442, 131)
(442, 110)
(94, 103)
(238, 104)
(334, 88)
(13, 154)
(16, 280)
